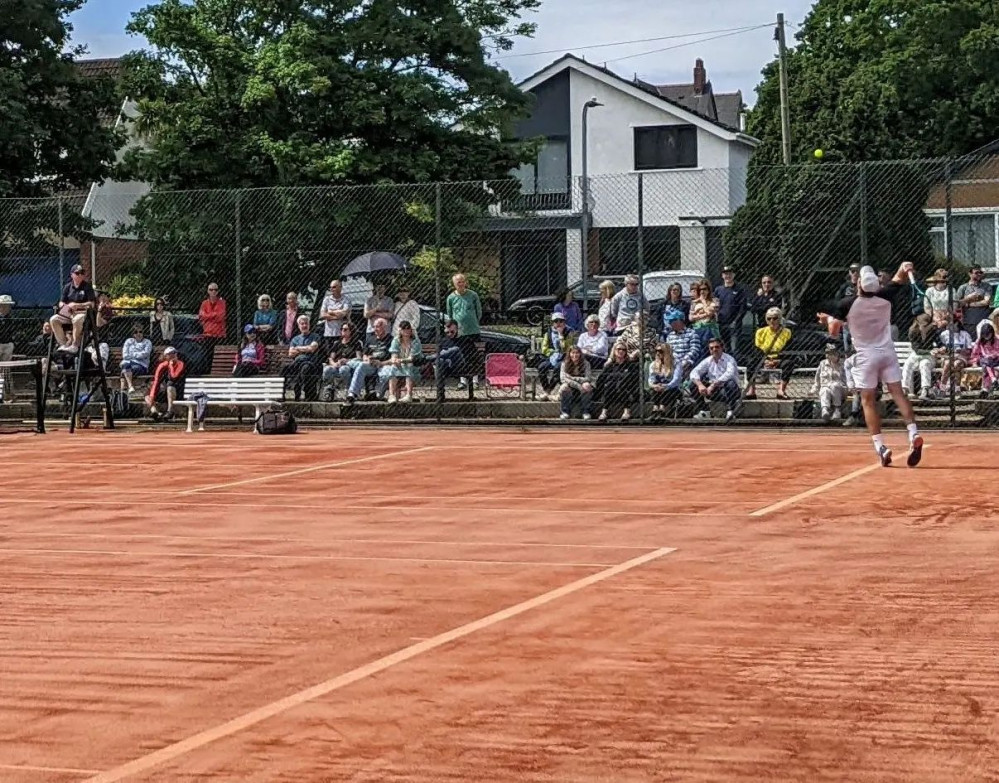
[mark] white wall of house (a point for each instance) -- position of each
(716, 187)
(110, 203)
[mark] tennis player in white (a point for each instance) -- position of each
(868, 316)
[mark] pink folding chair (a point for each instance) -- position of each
(504, 371)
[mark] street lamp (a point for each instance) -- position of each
(592, 103)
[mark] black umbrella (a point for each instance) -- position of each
(378, 261)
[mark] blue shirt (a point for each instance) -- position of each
(732, 304)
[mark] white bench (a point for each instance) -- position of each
(261, 393)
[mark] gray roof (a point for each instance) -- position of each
(723, 109)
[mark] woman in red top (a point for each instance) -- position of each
(168, 383)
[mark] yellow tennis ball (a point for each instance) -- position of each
(819, 153)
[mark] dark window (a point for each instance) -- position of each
(666, 147)
(544, 184)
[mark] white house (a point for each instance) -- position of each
(683, 142)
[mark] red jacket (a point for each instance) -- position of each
(212, 317)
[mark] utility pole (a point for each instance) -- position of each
(785, 110)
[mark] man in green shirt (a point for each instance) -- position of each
(464, 307)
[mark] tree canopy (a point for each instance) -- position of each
(242, 93)
(886, 80)
(51, 136)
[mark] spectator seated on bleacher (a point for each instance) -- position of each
(136, 354)
(923, 338)
(683, 341)
(594, 343)
(576, 387)
(985, 354)
(251, 356)
(618, 383)
(951, 335)
(406, 358)
(168, 383)
(771, 340)
(634, 342)
(303, 371)
(830, 384)
(717, 379)
(554, 347)
(338, 371)
(665, 380)
(374, 354)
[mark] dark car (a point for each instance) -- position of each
(495, 342)
(535, 310)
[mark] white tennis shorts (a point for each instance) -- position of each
(877, 366)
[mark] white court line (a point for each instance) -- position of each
(302, 471)
(762, 512)
(258, 556)
(252, 718)
(277, 540)
(317, 506)
(62, 770)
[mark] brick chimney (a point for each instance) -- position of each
(700, 77)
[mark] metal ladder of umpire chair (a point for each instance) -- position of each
(90, 339)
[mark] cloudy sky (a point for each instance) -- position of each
(682, 28)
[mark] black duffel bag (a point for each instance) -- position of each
(276, 422)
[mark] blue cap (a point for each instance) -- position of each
(674, 315)
(249, 329)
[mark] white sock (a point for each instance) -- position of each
(913, 431)
(878, 442)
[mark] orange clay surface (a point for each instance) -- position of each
(497, 605)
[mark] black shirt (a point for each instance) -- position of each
(342, 350)
(7, 324)
(73, 295)
(378, 348)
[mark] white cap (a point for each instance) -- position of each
(869, 282)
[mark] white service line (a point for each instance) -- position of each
(302, 471)
(252, 718)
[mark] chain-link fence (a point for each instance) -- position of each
(718, 253)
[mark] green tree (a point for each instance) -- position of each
(886, 80)
(51, 136)
(242, 93)
(296, 94)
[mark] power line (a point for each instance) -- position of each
(738, 31)
(635, 41)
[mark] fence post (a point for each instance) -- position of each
(239, 265)
(949, 240)
(863, 213)
(62, 249)
(641, 293)
(440, 389)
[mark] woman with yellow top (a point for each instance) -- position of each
(770, 341)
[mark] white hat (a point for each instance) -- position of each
(169, 350)
(869, 282)
(558, 317)
(6, 299)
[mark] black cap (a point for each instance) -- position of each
(728, 268)
(77, 268)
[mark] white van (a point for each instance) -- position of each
(655, 285)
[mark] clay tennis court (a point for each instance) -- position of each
(499, 605)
